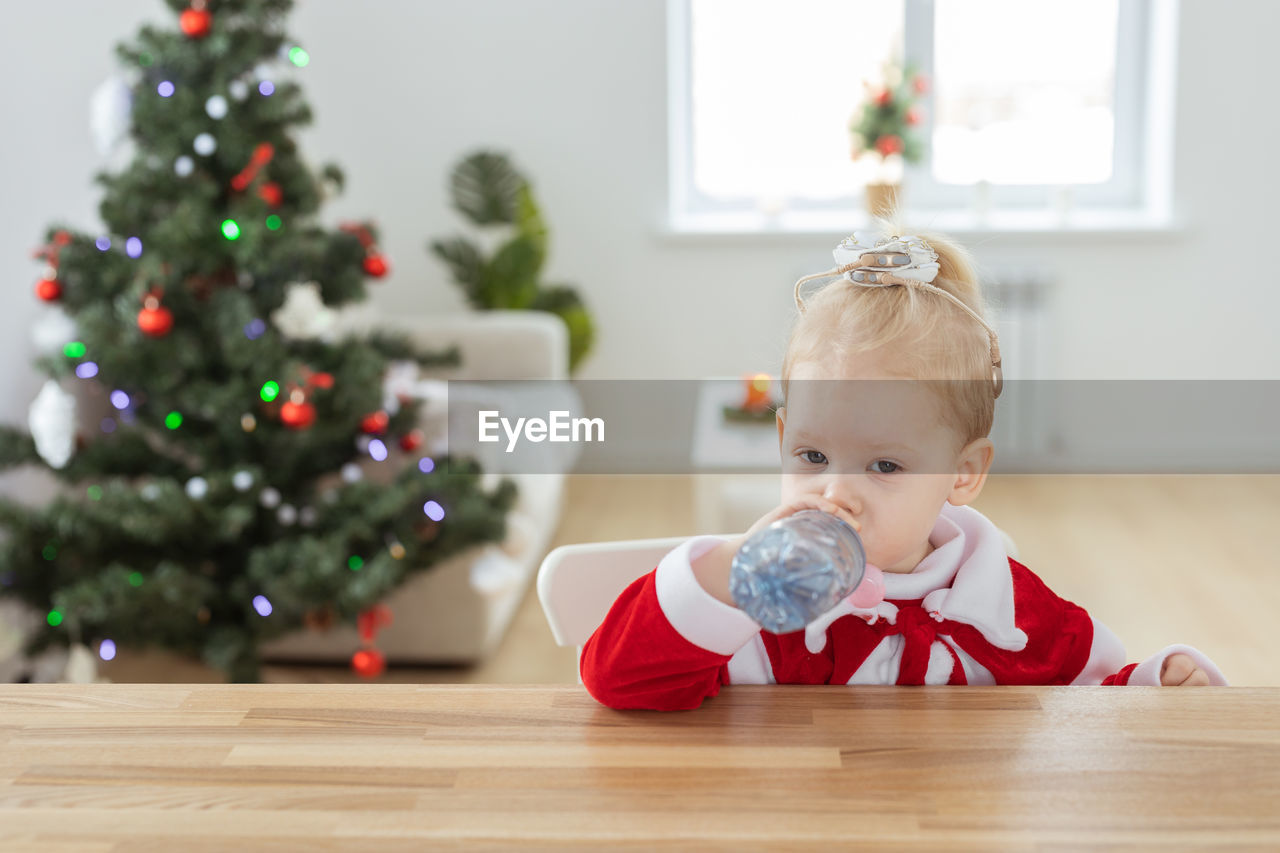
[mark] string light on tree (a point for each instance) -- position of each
(204, 144)
(216, 107)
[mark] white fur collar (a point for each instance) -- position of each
(966, 578)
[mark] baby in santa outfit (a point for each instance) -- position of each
(868, 432)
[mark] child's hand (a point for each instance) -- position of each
(1181, 671)
(712, 568)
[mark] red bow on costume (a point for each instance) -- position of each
(919, 629)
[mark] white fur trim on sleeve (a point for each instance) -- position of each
(1147, 673)
(696, 614)
(1106, 656)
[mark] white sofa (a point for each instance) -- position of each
(458, 610)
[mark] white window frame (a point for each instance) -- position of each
(1138, 196)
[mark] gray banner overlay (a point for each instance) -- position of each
(665, 426)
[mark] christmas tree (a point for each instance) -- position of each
(222, 498)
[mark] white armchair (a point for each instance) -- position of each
(458, 610)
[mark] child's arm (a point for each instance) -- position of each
(1172, 666)
(666, 642)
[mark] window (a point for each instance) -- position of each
(1038, 106)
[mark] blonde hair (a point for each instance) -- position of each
(930, 337)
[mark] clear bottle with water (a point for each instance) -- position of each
(798, 568)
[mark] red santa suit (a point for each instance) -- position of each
(967, 614)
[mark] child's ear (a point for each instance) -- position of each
(971, 471)
(782, 422)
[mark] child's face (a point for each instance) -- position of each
(880, 450)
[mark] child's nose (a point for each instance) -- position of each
(843, 491)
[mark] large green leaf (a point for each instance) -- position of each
(485, 188)
(530, 224)
(564, 301)
(465, 264)
(511, 278)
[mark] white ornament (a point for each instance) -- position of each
(362, 443)
(109, 113)
(205, 144)
(216, 107)
(52, 419)
(269, 498)
(54, 330)
(287, 514)
(238, 89)
(81, 667)
(351, 472)
(242, 481)
(197, 488)
(150, 492)
(401, 381)
(304, 316)
(307, 516)
(183, 166)
(262, 71)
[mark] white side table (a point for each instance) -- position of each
(736, 467)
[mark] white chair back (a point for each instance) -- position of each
(577, 584)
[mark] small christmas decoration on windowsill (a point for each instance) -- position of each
(757, 406)
(886, 129)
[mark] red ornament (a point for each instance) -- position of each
(368, 663)
(195, 23)
(321, 380)
(375, 265)
(154, 319)
(373, 620)
(889, 144)
(410, 442)
(920, 84)
(375, 424)
(883, 98)
(913, 116)
(271, 193)
(49, 290)
(262, 154)
(297, 414)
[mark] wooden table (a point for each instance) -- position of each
(411, 767)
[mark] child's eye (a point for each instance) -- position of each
(894, 466)
(805, 455)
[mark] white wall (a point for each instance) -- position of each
(575, 89)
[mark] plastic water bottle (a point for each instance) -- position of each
(798, 568)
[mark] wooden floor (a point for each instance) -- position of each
(1158, 559)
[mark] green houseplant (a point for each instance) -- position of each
(489, 191)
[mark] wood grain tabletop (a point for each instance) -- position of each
(411, 767)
